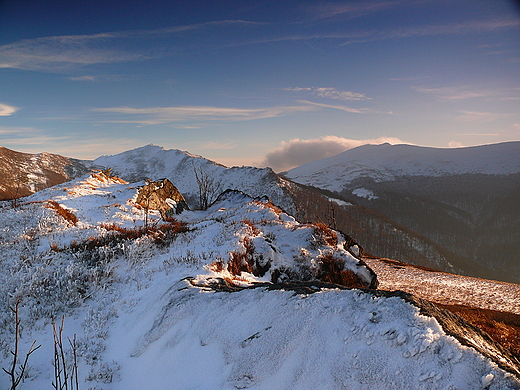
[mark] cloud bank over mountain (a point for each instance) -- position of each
(297, 152)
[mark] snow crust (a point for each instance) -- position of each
(141, 324)
(385, 162)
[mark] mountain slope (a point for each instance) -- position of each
(387, 162)
(22, 174)
(154, 162)
(463, 200)
(153, 306)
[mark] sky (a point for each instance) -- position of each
(265, 83)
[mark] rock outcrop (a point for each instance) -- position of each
(163, 196)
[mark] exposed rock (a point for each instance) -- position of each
(163, 196)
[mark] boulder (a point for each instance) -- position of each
(163, 196)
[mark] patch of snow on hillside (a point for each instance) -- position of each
(364, 193)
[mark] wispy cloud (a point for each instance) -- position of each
(349, 9)
(84, 78)
(158, 115)
(459, 92)
(57, 53)
(6, 110)
(347, 108)
(297, 152)
(330, 93)
(431, 30)
(475, 116)
(60, 53)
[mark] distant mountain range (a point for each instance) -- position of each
(454, 210)
(465, 201)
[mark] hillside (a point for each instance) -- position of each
(22, 174)
(236, 296)
(463, 201)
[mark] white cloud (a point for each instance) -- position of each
(331, 93)
(160, 115)
(297, 152)
(6, 110)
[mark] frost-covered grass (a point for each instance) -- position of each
(139, 324)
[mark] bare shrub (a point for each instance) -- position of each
(331, 270)
(17, 372)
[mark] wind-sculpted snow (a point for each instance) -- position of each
(128, 291)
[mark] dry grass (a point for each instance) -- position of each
(60, 210)
(331, 270)
(502, 327)
(254, 230)
(269, 205)
(326, 234)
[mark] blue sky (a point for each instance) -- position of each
(257, 82)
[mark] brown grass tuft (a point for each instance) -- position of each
(331, 270)
(329, 236)
(66, 214)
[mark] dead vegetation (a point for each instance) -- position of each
(332, 270)
(161, 234)
(502, 327)
(62, 211)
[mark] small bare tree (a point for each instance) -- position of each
(17, 373)
(209, 188)
(65, 378)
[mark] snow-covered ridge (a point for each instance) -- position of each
(154, 162)
(385, 162)
(139, 321)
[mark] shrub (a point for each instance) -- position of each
(331, 270)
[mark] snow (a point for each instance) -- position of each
(141, 323)
(446, 288)
(385, 162)
(364, 193)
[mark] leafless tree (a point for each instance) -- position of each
(209, 187)
(17, 373)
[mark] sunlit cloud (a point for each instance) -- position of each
(331, 93)
(6, 110)
(297, 152)
(160, 115)
(474, 116)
